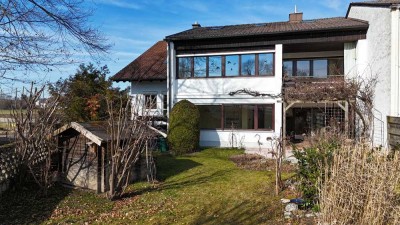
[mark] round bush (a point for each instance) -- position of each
(184, 133)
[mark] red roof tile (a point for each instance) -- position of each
(149, 66)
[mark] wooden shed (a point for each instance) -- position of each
(83, 156)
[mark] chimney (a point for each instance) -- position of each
(296, 17)
(196, 25)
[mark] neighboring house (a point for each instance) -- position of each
(238, 76)
(148, 77)
(379, 55)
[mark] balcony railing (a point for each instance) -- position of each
(332, 88)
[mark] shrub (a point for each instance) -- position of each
(312, 162)
(184, 132)
(362, 187)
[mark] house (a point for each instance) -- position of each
(379, 55)
(84, 157)
(148, 77)
(256, 82)
(239, 75)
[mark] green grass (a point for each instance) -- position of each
(201, 188)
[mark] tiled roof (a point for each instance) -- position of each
(149, 66)
(258, 29)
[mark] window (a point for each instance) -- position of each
(165, 105)
(150, 101)
(288, 68)
(215, 66)
(232, 65)
(266, 64)
(303, 68)
(240, 117)
(226, 66)
(336, 66)
(184, 67)
(200, 66)
(318, 68)
(265, 115)
(248, 65)
(210, 116)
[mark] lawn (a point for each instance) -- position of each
(201, 188)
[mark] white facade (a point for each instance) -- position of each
(378, 56)
(140, 89)
(215, 91)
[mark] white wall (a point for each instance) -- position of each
(139, 89)
(209, 91)
(373, 58)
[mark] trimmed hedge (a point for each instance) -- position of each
(184, 132)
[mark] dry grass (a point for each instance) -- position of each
(361, 187)
(259, 163)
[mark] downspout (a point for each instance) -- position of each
(169, 99)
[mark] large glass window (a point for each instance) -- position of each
(248, 65)
(336, 66)
(265, 117)
(320, 68)
(240, 117)
(303, 68)
(266, 64)
(261, 64)
(184, 67)
(200, 66)
(288, 68)
(210, 116)
(215, 66)
(232, 65)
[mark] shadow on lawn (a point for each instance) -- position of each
(168, 166)
(247, 212)
(27, 206)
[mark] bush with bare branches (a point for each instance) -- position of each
(34, 126)
(131, 138)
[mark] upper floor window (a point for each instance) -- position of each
(248, 65)
(185, 67)
(226, 66)
(266, 64)
(320, 68)
(200, 66)
(215, 66)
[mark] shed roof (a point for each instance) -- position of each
(94, 131)
(97, 131)
(149, 66)
(258, 29)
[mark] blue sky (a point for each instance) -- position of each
(132, 26)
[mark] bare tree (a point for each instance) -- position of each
(130, 139)
(34, 126)
(39, 35)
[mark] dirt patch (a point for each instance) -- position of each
(259, 163)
